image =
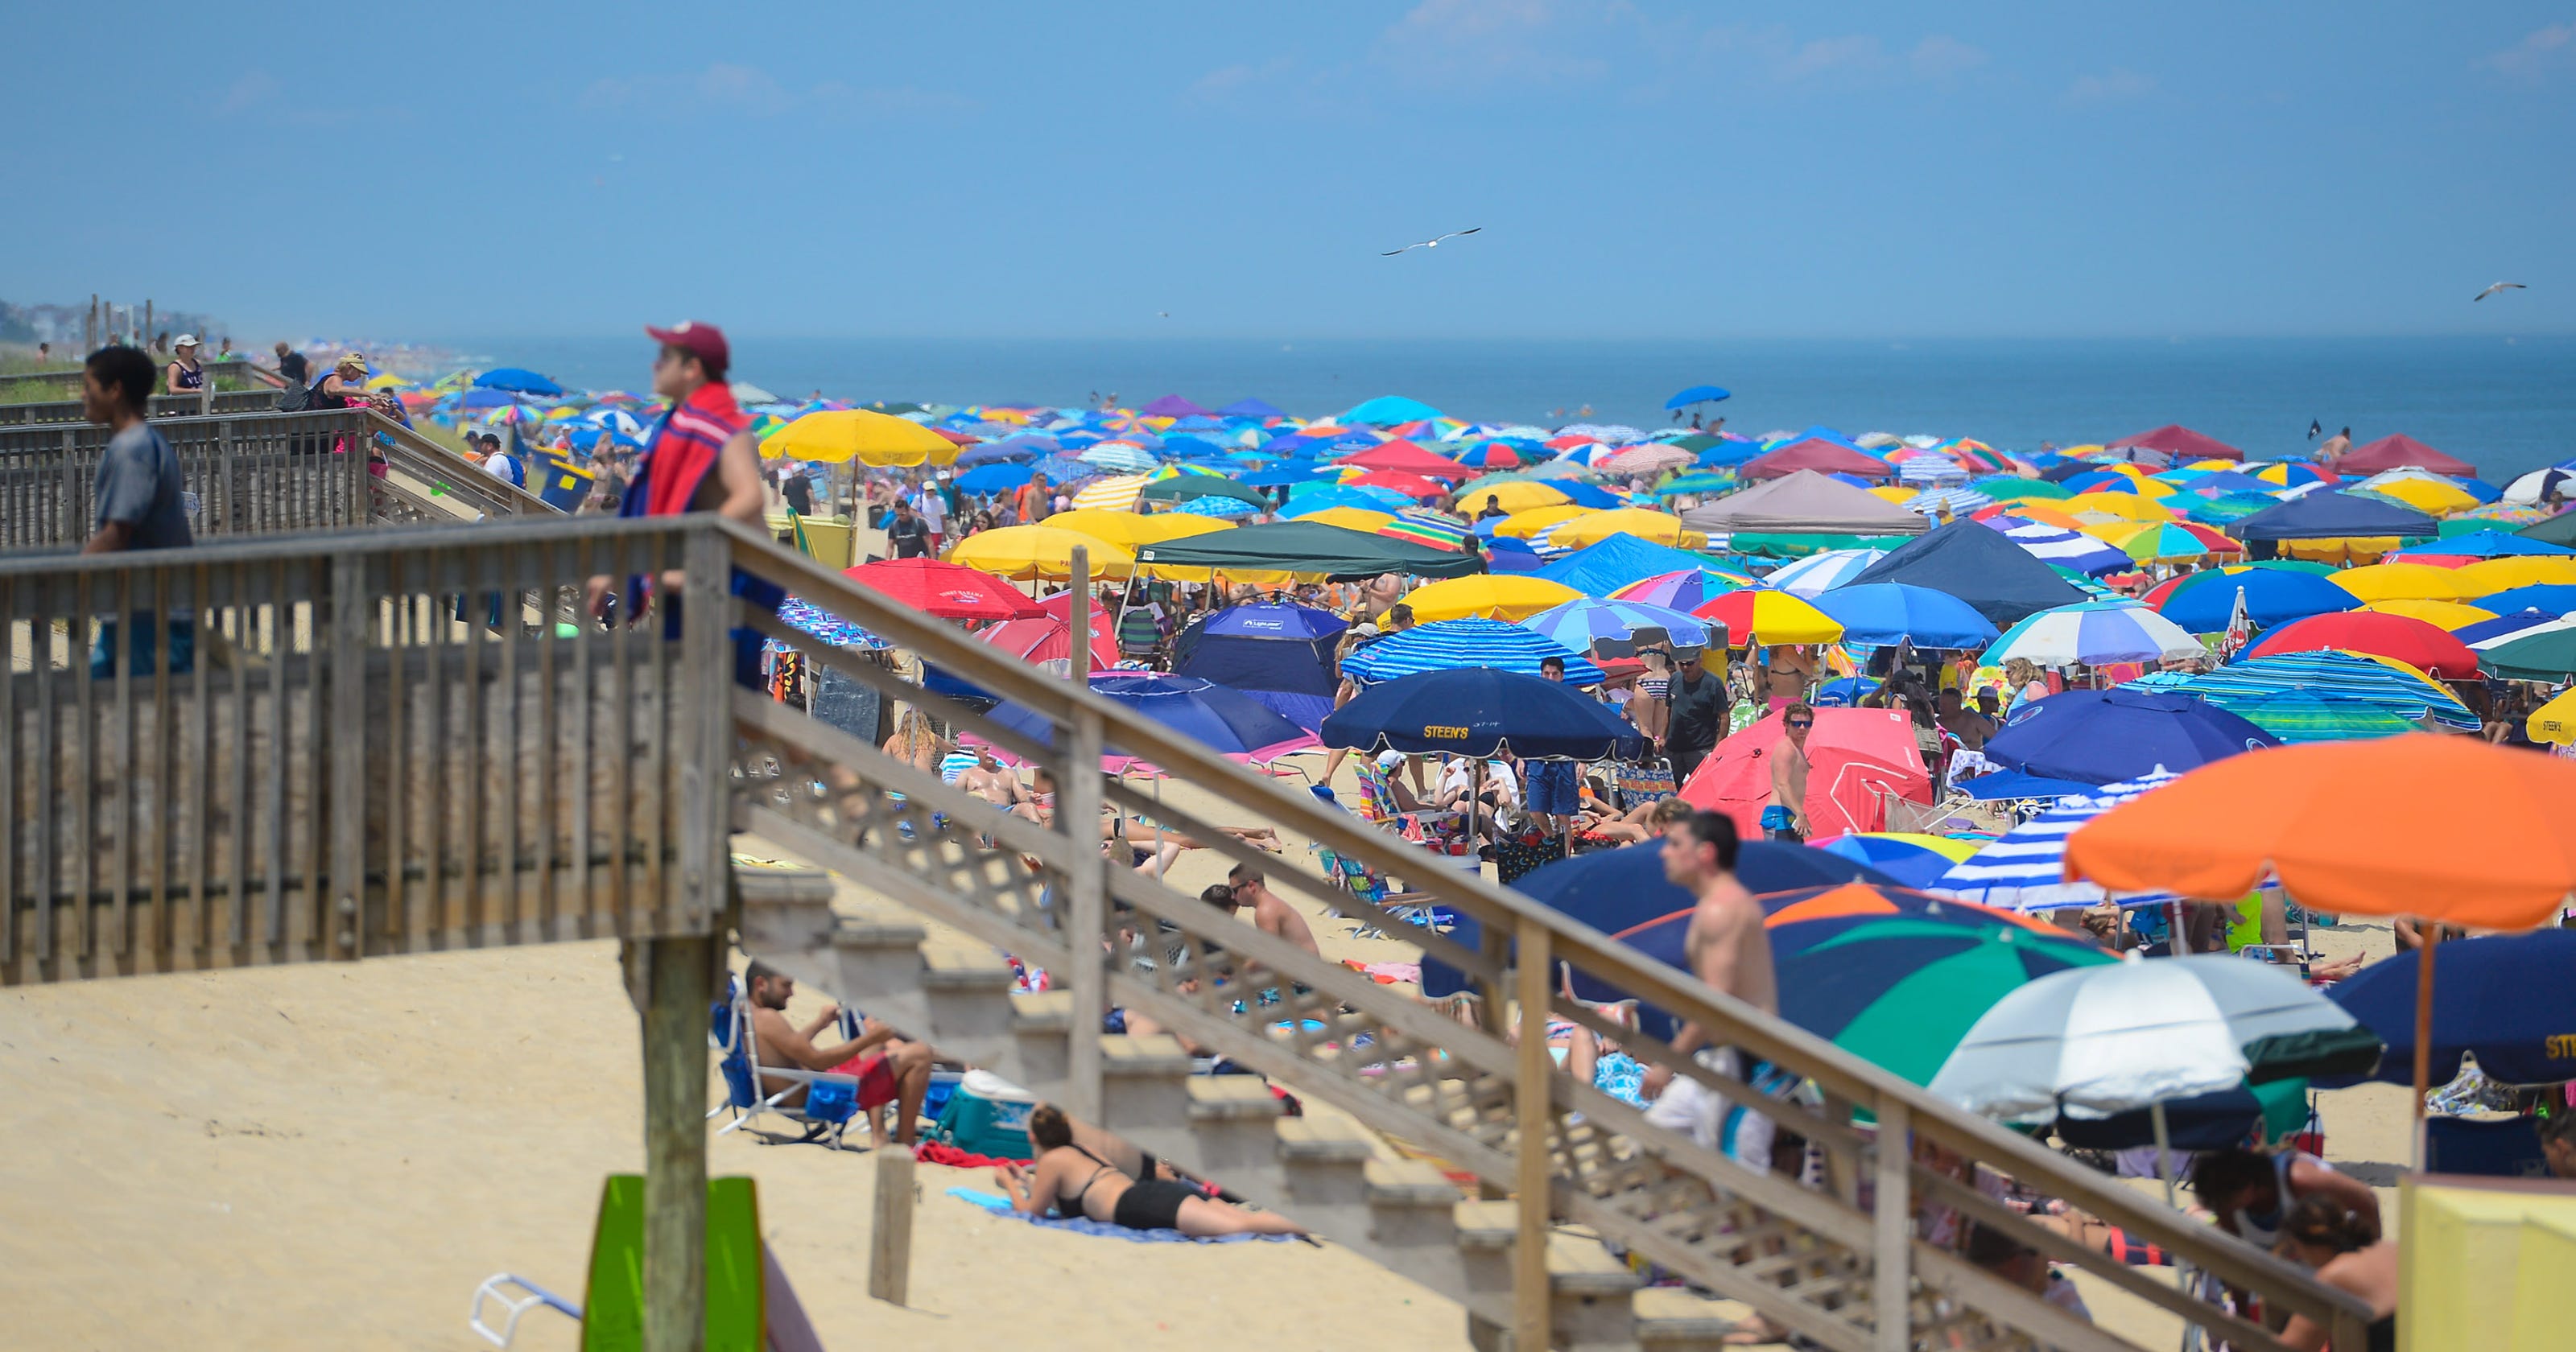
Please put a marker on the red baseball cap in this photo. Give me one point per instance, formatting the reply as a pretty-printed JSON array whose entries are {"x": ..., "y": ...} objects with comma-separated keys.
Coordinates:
[{"x": 706, "y": 341}]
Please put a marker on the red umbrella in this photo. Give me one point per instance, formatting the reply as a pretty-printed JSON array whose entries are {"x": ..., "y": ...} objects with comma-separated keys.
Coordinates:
[
  {"x": 1409, "y": 484},
  {"x": 1049, "y": 639},
  {"x": 1855, "y": 757},
  {"x": 950, "y": 591},
  {"x": 2426, "y": 647},
  {"x": 2216, "y": 541},
  {"x": 1406, "y": 457},
  {"x": 952, "y": 434}
]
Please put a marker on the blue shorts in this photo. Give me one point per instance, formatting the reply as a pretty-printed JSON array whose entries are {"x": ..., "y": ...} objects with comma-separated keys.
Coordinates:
[{"x": 1555, "y": 787}]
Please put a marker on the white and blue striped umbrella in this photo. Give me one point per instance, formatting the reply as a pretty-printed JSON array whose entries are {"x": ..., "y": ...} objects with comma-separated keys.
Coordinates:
[
  {"x": 1115, "y": 455},
  {"x": 1615, "y": 628},
  {"x": 2068, "y": 548},
  {"x": 1450, "y": 644},
  {"x": 2093, "y": 633},
  {"x": 1955, "y": 501},
  {"x": 1930, "y": 469},
  {"x": 1816, "y": 574},
  {"x": 2025, "y": 870}
]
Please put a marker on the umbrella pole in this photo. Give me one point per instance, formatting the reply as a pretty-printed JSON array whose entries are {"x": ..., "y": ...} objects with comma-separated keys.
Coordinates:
[
  {"x": 2164, "y": 1172},
  {"x": 2432, "y": 935}
]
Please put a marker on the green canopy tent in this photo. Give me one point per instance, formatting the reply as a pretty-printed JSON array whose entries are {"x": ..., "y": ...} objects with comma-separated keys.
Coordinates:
[
  {"x": 2557, "y": 530},
  {"x": 1309, "y": 547}
]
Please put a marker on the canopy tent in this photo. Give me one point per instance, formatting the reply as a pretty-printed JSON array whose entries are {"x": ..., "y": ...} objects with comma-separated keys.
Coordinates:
[
  {"x": 1310, "y": 547},
  {"x": 1172, "y": 406},
  {"x": 2177, "y": 441},
  {"x": 2557, "y": 530},
  {"x": 1616, "y": 560},
  {"x": 1805, "y": 502},
  {"x": 2329, "y": 515},
  {"x": 1992, "y": 574},
  {"x": 2399, "y": 450},
  {"x": 1818, "y": 454},
  {"x": 1407, "y": 458},
  {"x": 1278, "y": 654}
]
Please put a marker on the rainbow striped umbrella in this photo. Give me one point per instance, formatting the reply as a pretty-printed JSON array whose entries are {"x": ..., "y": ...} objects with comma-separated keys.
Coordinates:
[
  {"x": 1685, "y": 589},
  {"x": 1431, "y": 528}
]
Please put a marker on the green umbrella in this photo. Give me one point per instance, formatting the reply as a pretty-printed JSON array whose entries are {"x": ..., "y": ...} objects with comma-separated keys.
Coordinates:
[
  {"x": 1507, "y": 476},
  {"x": 1184, "y": 487},
  {"x": 2296, "y": 716},
  {"x": 2549, "y": 655},
  {"x": 1901, "y": 991}
]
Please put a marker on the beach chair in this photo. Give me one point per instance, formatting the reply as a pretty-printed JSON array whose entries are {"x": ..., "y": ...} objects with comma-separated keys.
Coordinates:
[
  {"x": 1371, "y": 886},
  {"x": 830, "y": 1100},
  {"x": 1379, "y": 806}
]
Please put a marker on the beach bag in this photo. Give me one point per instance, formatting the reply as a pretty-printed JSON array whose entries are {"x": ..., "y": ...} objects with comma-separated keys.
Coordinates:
[
  {"x": 295, "y": 398},
  {"x": 1649, "y": 782}
]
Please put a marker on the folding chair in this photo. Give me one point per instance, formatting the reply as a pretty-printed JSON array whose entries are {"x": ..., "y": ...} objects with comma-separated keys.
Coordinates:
[{"x": 830, "y": 1100}]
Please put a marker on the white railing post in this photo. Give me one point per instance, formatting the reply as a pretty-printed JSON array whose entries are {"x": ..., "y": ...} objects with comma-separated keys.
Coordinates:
[
  {"x": 1086, "y": 891},
  {"x": 1892, "y": 1288},
  {"x": 1530, "y": 1099}
]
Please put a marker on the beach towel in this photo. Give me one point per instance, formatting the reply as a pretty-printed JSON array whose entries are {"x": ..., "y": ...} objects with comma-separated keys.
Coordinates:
[{"x": 1001, "y": 1206}]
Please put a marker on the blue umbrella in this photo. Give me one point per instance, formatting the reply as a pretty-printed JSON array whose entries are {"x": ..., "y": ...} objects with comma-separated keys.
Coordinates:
[
  {"x": 1908, "y": 863},
  {"x": 1321, "y": 496},
  {"x": 1280, "y": 475},
  {"x": 992, "y": 478},
  {"x": 2505, "y": 997},
  {"x": 1252, "y": 408},
  {"x": 2553, "y": 598},
  {"x": 1466, "y": 643},
  {"x": 2503, "y": 626},
  {"x": 2016, "y": 784},
  {"x": 2098, "y": 736},
  {"x": 519, "y": 379},
  {"x": 2488, "y": 544},
  {"x": 2273, "y": 596},
  {"x": 1696, "y": 394},
  {"x": 1847, "y": 691},
  {"x": 2333, "y": 515},
  {"x": 1889, "y": 612},
  {"x": 1477, "y": 711},
  {"x": 1616, "y": 628},
  {"x": 1202, "y": 710},
  {"x": 1503, "y": 554},
  {"x": 486, "y": 399},
  {"x": 1274, "y": 620}
]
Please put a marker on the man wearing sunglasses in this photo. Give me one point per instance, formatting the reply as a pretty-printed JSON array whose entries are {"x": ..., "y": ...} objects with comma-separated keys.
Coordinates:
[{"x": 1785, "y": 817}]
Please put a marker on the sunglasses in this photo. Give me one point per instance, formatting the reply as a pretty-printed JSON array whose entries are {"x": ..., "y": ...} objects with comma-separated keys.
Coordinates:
[{"x": 1802, "y": 723}]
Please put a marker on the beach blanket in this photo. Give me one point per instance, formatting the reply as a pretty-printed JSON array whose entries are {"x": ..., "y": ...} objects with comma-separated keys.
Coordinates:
[
  {"x": 1001, "y": 1206},
  {"x": 940, "y": 1152}
]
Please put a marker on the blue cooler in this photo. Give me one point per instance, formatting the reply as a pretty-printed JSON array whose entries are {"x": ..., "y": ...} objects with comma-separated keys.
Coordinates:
[
  {"x": 988, "y": 1115},
  {"x": 562, "y": 485}
]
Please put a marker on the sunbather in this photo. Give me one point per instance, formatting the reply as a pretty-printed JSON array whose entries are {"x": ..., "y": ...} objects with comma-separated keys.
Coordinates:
[
  {"x": 1645, "y": 821},
  {"x": 888, "y": 1069},
  {"x": 1075, "y": 1182}
]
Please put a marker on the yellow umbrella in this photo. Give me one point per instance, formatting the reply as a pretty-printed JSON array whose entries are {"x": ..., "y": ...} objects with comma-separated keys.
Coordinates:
[
  {"x": 837, "y": 436},
  {"x": 1494, "y": 596},
  {"x": 1764, "y": 616},
  {"x": 2495, "y": 575},
  {"x": 2401, "y": 582},
  {"x": 2554, "y": 721},
  {"x": 1117, "y": 493},
  {"x": 2428, "y": 495},
  {"x": 1523, "y": 525},
  {"x": 2441, "y": 614},
  {"x": 1661, "y": 528},
  {"x": 1352, "y": 518},
  {"x": 2344, "y": 549},
  {"x": 1517, "y": 495},
  {"x": 388, "y": 381},
  {"x": 1128, "y": 530},
  {"x": 1023, "y": 552},
  {"x": 2127, "y": 506},
  {"x": 1892, "y": 493}
]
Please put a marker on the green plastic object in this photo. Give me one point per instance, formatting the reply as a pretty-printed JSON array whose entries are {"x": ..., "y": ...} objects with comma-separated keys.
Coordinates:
[{"x": 613, "y": 1304}]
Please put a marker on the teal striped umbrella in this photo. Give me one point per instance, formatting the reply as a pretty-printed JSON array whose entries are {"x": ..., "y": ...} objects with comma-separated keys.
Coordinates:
[
  {"x": 2297, "y": 716},
  {"x": 2334, "y": 677},
  {"x": 1450, "y": 644}
]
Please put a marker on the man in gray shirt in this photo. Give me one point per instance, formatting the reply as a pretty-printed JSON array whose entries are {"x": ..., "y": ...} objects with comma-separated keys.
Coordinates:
[{"x": 138, "y": 478}]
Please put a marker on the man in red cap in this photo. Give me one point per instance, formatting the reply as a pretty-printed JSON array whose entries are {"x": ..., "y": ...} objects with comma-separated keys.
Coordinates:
[{"x": 700, "y": 457}]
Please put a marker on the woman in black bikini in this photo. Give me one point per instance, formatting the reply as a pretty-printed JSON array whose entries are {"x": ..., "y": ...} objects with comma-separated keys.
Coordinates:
[
  {"x": 1076, "y": 1182},
  {"x": 2347, "y": 1253}
]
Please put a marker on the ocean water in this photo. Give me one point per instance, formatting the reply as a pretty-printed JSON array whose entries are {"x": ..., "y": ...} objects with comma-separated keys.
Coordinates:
[{"x": 2504, "y": 404}]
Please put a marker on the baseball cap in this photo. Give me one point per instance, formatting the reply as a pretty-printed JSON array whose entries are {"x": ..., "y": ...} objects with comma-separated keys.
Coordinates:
[
  {"x": 705, "y": 341},
  {"x": 184, "y": 340}
]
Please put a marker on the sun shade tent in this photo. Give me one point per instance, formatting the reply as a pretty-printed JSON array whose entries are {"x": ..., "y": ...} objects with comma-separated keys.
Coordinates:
[
  {"x": 1997, "y": 578},
  {"x": 2178, "y": 441},
  {"x": 1279, "y": 655},
  {"x": 2327, "y": 515},
  {"x": 1308, "y": 548},
  {"x": 2399, "y": 451},
  {"x": 1818, "y": 454},
  {"x": 1615, "y": 561},
  {"x": 1805, "y": 502}
]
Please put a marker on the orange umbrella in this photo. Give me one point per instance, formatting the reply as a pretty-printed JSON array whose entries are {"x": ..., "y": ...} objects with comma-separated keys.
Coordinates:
[{"x": 1861, "y": 899}]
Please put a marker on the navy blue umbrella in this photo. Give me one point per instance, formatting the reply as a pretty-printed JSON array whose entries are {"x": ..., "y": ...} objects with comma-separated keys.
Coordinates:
[
  {"x": 2205, "y": 601},
  {"x": 2105, "y": 736},
  {"x": 1252, "y": 408},
  {"x": 2510, "y": 998},
  {"x": 520, "y": 379},
  {"x": 2331, "y": 515},
  {"x": 1696, "y": 394},
  {"x": 1201, "y": 709},
  {"x": 1620, "y": 890},
  {"x": 1475, "y": 711},
  {"x": 1882, "y": 613}
]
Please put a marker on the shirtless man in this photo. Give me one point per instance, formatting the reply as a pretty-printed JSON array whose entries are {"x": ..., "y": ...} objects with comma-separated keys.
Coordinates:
[
  {"x": 1728, "y": 948},
  {"x": 993, "y": 781},
  {"x": 888, "y": 1071},
  {"x": 1785, "y": 816},
  {"x": 1970, "y": 726},
  {"x": 1270, "y": 914}
]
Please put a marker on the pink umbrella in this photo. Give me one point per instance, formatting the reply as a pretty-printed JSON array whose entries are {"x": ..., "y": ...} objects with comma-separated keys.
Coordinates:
[{"x": 1856, "y": 759}]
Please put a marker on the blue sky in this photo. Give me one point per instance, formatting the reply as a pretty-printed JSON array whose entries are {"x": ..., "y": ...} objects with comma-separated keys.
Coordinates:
[{"x": 1639, "y": 167}]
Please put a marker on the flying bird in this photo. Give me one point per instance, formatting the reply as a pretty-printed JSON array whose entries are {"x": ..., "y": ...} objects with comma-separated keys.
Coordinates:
[
  {"x": 1432, "y": 243},
  {"x": 2500, "y": 286}
]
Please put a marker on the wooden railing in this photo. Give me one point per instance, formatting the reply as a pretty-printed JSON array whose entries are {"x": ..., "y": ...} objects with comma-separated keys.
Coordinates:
[
  {"x": 339, "y": 745},
  {"x": 1839, "y": 1264},
  {"x": 254, "y": 474},
  {"x": 421, "y": 473},
  {"x": 200, "y": 404}
]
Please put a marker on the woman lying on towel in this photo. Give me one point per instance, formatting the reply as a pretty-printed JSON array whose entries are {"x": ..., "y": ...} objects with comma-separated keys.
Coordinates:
[{"x": 1076, "y": 1182}]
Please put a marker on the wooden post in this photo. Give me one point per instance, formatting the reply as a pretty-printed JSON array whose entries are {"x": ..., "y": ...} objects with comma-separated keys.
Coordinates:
[
  {"x": 1892, "y": 1231},
  {"x": 2430, "y": 931},
  {"x": 678, "y": 977},
  {"x": 1532, "y": 1105},
  {"x": 1086, "y": 891},
  {"x": 890, "y": 1239}
]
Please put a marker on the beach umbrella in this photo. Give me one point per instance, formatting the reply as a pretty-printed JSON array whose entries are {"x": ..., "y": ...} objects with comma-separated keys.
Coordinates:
[
  {"x": 1449, "y": 644},
  {"x": 1696, "y": 394},
  {"x": 2333, "y": 676},
  {"x": 1479, "y": 711},
  {"x": 2483, "y": 544},
  {"x": 1033, "y": 552},
  {"x": 2487, "y": 633},
  {"x": 2505, "y": 998},
  {"x": 2417, "y": 644},
  {"x": 2544, "y": 654},
  {"x": 1049, "y": 638},
  {"x": 1527, "y": 524},
  {"x": 1117, "y": 493},
  {"x": 2401, "y": 581},
  {"x": 992, "y": 478},
  {"x": 1859, "y": 759},
  {"x": 2490, "y": 576},
  {"x": 2433, "y": 496},
  {"x": 1911, "y": 858},
  {"x": 1487, "y": 595},
  {"x": 2123, "y": 506},
  {"x": 2446, "y": 615},
  {"x": 1887, "y": 613},
  {"x": 2289, "y": 472},
  {"x": 1661, "y": 528},
  {"x": 1404, "y": 483},
  {"x": 1617, "y": 628},
  {"x": 2555, "y": 721},
  {"x": 1518, "y": 495},
  {"x": 1764, "y": 616},
  {"x": 1685, "y": 589},
  {"x": 1902, "y": 991},
  {"x": 1352, "y": 518},
  {"x": 838, "y": 436},
  {"x": 1223, "y": 720},
  {"x": 2557, "y": 598},
  {"x": 1127, "y": 530},
  {"x": 2296, "y": 716},
  {"x": 2093, "y": 633},
  {"x": 519, "y": 380},
  {"x": 1823, "y": 573},
  {"x": 1431, "y": 528},
  {"x": 2025, "y": 868},
  {"x": 1193, "y": 487},
  {"x": 2094, "y": 1040},
  {"x": 2103, "y": 736},
  {"x": 1121, "y": 457},
  {"x": 946, "y": 590},
  {"x": 2206, "y": 601}
]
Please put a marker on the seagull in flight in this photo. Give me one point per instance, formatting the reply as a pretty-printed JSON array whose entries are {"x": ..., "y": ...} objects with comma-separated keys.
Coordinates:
[
  {"x": 2500, "y": 286},
  {"x": 1432, "y": 243}
]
